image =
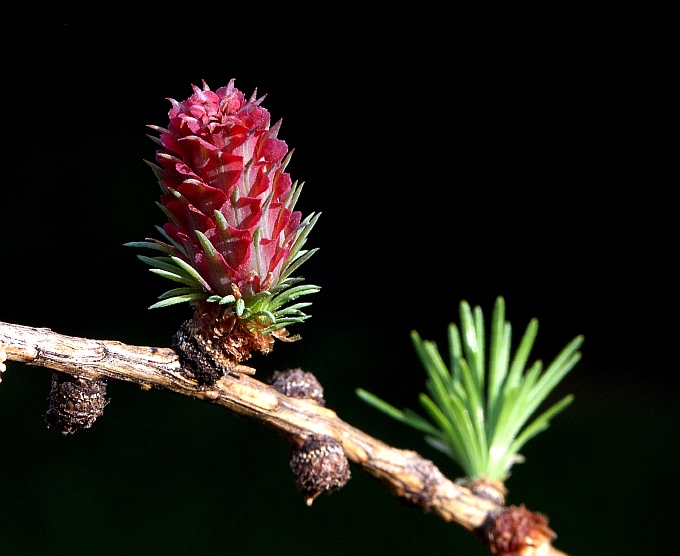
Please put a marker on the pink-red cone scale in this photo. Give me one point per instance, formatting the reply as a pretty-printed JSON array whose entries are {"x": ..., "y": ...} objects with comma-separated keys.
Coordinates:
[
  {"x": 233, "y": 235},
  {"x": 220, "y": 157}
]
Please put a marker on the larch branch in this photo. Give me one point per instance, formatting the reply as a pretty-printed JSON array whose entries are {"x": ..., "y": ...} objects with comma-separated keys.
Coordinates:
[{"x": 405, "y": 473}]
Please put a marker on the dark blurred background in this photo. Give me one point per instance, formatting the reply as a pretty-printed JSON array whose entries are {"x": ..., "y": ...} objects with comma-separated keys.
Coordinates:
[{"x": 458, "y": 157}]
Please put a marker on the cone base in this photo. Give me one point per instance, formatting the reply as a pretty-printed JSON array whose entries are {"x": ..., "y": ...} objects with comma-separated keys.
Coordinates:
[{"x": 215, "y": 341}]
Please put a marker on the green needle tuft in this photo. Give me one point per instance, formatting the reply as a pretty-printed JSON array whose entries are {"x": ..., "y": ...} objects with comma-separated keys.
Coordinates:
[{"x": 480, "y": 410}]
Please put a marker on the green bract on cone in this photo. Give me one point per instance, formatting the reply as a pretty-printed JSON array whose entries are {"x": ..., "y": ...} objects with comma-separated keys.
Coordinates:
[{"x": 233, "y": 237}]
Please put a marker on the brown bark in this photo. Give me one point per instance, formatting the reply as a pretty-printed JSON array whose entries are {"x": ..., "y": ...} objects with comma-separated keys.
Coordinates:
[{"x": 405, "y": 473}]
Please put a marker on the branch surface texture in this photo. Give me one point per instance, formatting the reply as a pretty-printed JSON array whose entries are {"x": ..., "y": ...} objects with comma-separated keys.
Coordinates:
[{"x": 503, "y": 530}]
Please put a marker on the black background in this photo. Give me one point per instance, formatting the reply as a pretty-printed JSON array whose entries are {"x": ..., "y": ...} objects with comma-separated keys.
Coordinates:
[{"x": 453, "y": 157}]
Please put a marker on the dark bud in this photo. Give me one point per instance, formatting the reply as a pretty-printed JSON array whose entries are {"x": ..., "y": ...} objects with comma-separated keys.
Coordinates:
[
  {"x": 516, "y": 530},
  {"x": 195, "y": 356},
  {"x": 319, "y": 465},
  {"x": 215, "y": 341},
  {"x": 296, "y": 383},
  {"x": 75, "y": 403}
]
